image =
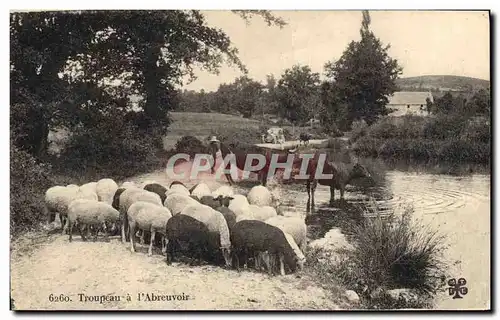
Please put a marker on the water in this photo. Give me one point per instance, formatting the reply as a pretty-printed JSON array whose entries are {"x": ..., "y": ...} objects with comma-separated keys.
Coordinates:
[{"x": 457, "y": 206}]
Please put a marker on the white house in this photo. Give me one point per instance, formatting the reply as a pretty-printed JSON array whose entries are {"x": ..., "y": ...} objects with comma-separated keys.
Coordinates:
[{"x": 409, "y": 102}]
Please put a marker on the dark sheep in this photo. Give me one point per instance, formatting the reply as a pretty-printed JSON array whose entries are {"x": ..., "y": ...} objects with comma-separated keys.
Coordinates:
[
  {"x": 183, "y": 228},
  {"x": 249, "y": 237},
  {"x": 177, "y": 182},
  {"x": 219, "y": 201},
  {"x": 115, "y": 227},
  {"x": 116, "y": 198},
  {"x": 228, "y": 215},
  {"x": 158, "y": 189}
]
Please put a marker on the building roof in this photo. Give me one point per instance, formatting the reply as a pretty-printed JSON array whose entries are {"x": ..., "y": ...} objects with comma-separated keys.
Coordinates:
[{"x": 410, "y": 97}]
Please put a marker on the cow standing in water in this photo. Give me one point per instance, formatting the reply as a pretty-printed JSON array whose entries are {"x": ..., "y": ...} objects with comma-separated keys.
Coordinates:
[
  {"x": 241, "y": 156},
  {"x": 341, "y": 175}
]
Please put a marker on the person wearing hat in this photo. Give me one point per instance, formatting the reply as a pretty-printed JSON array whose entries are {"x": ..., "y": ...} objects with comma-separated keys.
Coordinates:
[{"x": 215, "y": 147}]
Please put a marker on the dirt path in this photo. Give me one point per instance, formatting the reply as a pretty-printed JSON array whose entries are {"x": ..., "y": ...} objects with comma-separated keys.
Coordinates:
[
  {"x": 81, "y": 269},
  {"x": 84, "y": 269}
]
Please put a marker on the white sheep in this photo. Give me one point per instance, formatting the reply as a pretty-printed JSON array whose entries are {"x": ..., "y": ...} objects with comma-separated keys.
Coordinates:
[
  {"x": 105, "y": 189},
  {"x": 89, "y": 187},
  {"x": 260, "y": 195},
  {"x": 58, "y": 198},
  {"x": 127, "y": 198},
  {"x": 262, "y": 213},
  {"x": 177, "y": 188},
  {"x": 145, "y": 183},
  {"x": 225, "y": 191},
  {"x": 296, "y": 227},
  {"x": 149, "y": 217},
  {"x": 200, "y": 190},
  {"x": 177, "y": 202},
  {"x": 90, "y": 213},
  {"x": 128, "y": 184}
]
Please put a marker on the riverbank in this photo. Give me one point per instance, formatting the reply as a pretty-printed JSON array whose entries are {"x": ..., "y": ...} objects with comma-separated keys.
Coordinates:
[{"x": 442, "y": 138}]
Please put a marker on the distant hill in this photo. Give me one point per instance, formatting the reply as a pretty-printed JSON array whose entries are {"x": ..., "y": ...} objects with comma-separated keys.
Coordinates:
[{"x": 442, "y": 83}]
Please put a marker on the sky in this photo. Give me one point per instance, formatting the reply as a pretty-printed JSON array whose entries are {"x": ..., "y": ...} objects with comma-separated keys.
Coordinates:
[{"x": 423, "y": 42}]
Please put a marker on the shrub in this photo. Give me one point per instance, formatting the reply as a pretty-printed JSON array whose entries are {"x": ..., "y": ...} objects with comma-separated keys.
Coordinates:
[
  {"x": 444, "y": 126},
  {"x": 28, "y": 183},
  {"x": 190, "y": 145},
  {"x": 359, "y": 129},
  {"x": 105, "y": 150},
  {"x": 395, "y": 252},
  {"x": 383, "y": 129}
]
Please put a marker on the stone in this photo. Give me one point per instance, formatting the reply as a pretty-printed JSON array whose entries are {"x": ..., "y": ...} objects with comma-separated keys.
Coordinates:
[
  {"x": 409, "y": 296},
  {"x": 351, "y": 296}
]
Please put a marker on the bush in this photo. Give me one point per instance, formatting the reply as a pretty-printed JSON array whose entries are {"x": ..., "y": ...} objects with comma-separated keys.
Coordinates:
[
  {"x": 109, "y": 151},
  {"x": 444, "y": 127},
  {"x": 28, "y": 183},
  {"x": 359, "y": 129},
  {"x": 449, "y": 138},
  {"x": 190, "y": 145},
  {"x": 394, "y": 252}
]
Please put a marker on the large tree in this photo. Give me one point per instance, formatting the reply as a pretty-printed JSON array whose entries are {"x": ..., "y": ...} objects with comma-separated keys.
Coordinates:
[
  {"x": 150, "y": 52},
  {"x": 364, "y": 76},
  {"x": 297, "y": 94}
]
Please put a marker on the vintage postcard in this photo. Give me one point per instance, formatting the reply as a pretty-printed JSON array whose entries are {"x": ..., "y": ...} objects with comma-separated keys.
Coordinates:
[{"x": 250, "y": 160}]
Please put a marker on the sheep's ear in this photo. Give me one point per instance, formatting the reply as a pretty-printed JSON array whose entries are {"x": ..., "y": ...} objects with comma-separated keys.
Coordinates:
[{"x": 229, "y": 198}]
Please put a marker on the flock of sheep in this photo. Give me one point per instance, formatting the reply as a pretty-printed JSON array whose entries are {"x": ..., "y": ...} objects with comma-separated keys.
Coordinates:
[{"x": 218, "y": 226}]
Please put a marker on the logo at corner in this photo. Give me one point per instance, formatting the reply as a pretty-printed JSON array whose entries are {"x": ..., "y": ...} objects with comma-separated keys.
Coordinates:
[{"x": 457, "y": 288}]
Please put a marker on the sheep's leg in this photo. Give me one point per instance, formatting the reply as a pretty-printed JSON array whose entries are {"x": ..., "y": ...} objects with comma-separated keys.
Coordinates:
[
  {"x": 123, "y": 230},
  {"x": 82, "y": 228},
  {"x": 257, "y": 261},
  {"x": 105, "y": 231},
  {"x": 282, "y": 263},
  {"x": 153, "y": 233},
  {"x": 271, "y": 261},
  {"x": 342, "y": 189},
  {"x": 142, "y": 236},
  {"x": 164, "y": 243},
  {"x": 170, "y": 251},
  {"x": 63, "y": 223},
  {"x": 70, "y": 228},
  {"x": 236, "y": 260},
  {"x": 245, "y": 258},
  {"x": 332, "y": 195},
  {"x": 132, "y": 238}
]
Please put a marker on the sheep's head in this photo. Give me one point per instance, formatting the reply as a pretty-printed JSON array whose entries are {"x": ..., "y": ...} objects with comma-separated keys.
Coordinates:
[{"x": 223, "y": 200}]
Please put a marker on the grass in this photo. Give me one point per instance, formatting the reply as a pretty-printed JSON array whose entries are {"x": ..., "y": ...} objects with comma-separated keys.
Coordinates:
[
  {"x": 202, "y": 125},
  {"x": 390, "y": 251}
]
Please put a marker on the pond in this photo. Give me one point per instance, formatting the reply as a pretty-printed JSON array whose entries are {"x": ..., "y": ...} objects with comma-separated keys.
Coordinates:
[{"x": 458, "y": 206}]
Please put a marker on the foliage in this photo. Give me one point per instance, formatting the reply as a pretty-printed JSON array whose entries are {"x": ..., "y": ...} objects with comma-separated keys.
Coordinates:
[
  {"x": 364, "y": 76},
  {"x": 452, "y": 138},
  {"x": 148, "y": 52},
  {"x": 394, "y": 251},
  {"x": 191, "y": 145},
  {"x": 115, "y": 150},
  {"x": 28, "y": 183},
  {"x": 297, "y": 94}
]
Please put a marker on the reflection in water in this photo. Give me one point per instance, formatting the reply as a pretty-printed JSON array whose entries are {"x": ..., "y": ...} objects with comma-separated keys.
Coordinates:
[{"x": 457, "y": 206}]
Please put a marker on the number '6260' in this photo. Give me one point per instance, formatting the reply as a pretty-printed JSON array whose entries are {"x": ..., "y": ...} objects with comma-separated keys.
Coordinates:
[{"x": 59, "y": 298}]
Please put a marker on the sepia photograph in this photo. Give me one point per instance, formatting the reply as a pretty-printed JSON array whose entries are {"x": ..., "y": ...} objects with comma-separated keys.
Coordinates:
[{"x": 250, "y": 160}]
